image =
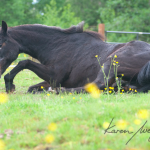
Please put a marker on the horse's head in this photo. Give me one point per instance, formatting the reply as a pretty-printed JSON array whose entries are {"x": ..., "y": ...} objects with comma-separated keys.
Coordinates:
[{"x": 9, "y": 48}]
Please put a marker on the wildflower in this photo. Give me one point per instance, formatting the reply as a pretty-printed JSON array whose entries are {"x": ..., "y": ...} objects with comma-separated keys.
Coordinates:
[
  {"x": 19, "y": 55},
  {"x": 61, "y": 96},
  {"x": 121, "y": 124},
  {"x": 73, "y": 97},
  {"x": 52, "y": 126},
  {"x": 110, "y": 91},
  {"x": 3, "y": 98},
  {"x": 2, "y": 145},
  {"x": 96, "y": 55},
  {"x": 49, "y": 138},
  {"x": 24, "y": 55},
  {"x": 116, "y": 62},
  {"x": 105, "y": 125},
  {"x": 7, "y": 69},
  {"x": 143, "y": 114},
  {"x": 115, "y": 56},
  {"x": 137, "y": 121},
  {"x": 92, "y": 89},
  {"x": 122, "y": 90},
  {"x": 122, "y": 75},
  {"x": 48, "y": 94},
  {"x": 120, "y": 93},
  {"x": 42, "y": 87},
  {"x": 105, "y": 88},
  {"x": 135, "y": 90},
  {"x": 130, "y": 128},
  {"x": 70, "y": 93},
  {"x": 101, "y": 66},
  {"x": 130, "y": 89},
  {"x": 80, "y": 97}
]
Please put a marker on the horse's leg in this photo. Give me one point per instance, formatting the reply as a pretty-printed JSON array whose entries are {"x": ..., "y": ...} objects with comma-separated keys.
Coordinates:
[
  {"x": 46, "y": 73},
  {"x": 38, "y": 87},
  {"x": 101, "y": 81}
]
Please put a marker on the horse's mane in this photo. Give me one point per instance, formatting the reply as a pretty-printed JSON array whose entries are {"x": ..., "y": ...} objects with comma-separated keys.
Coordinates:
[{"x": 73, "y": 29}]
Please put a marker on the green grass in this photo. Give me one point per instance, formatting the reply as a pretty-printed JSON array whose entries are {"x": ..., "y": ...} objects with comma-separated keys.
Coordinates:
[{"x": 79, "y": 121}]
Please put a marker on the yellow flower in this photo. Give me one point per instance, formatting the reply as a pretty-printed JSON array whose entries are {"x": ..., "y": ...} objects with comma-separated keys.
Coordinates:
[
  {"x": 19, "y": 55},
  {"x": 110, "y": 91},
  {"x": 3, "y": 98},
  {"x": 70, "y": 93},
  {"x": 122, "y": 90},
  {"x": 49, "y": 138},
  {"x": 120, "y": 93},
  {"x": 48, "y": 94},
  {"x": 52, "y": 126},
  {"x": 42, "y": 87},
  {"x": 24, "y": 55},
  {"x": 137, "y": 121},
  {"x": 101, "y": 66},
  {"x": 92, "y": 89},
  {"x": 116, "y": 62},
  {"x": 105, "y": 125},
  {"x": 2, "y": 145},
  {"x": 130, "y": 89},
  {"x": 135, "y": 90},
  {"x": 7, "y": 69},
  {"x": 80, "y": 97},
  {"x": 96, "y": 55},
  {"x": 121, "y": 124},
  {"x": 73, "y": 97},
  {"x": 115, "y": 56},
  {"x": 105, "y": 88},
  {"x": 130, "y": 128},
  {"x": 61, "y": 96},
  {"x": 143, "y": 114},
  {"x": 122, "y": 75}
]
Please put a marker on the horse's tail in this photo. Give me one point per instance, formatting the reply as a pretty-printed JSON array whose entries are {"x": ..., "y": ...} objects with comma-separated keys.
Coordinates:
[{"x": 143, "y": 78}]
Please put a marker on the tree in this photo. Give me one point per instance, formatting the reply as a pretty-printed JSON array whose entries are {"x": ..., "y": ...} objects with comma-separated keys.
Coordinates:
[{"x": 62, "y": 17}]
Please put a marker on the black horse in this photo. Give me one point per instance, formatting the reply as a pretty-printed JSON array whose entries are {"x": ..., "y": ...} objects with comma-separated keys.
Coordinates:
[{"x": 67, "y": 56}]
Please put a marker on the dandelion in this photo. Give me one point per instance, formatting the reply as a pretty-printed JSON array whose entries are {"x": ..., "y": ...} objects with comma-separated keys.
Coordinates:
[
  {"x": 19, "y": 55},
  {"x": 105, "y": 88},
  {"x": 122, "y": 75},
  {"x": 130, "y": 128},
  {"x": 80, "y": 97},
  {"x": 120, "y": 93},
  {"x": 116, "y": 62},
  {"x": 92, "y": 89},
  {"x": 122, "y": 90},
  {"x": 143, "y": 114},
  {"x": 61, "y": 96},
  {"x": 121, "y": 124},
  {"x": 2, "y": 145},
  {"x": 73, "y": 97},
  {"x": 24, "y": 55},
  {"x": 135, "y": 90},
  {"x": 49, "y": 138},
  {"x": 137, "y": 121},
  {"x": 110, "y": 91},
  {"x": 52, "y": 126},
  {"x": 70, "y": 93},
  {"x": 115, "y": 56},
  {"x": 7, "y": 69},
  {"x": 42, "y": 87},
  {"x": 3, "y": 98},
  {"x": 48, "y": 94},
  {"x": 130, "y": 89},
  {"x": 105, "y": 125},
  {"x": 101, "y": 66},
  {"x": 96, "y": 55}
]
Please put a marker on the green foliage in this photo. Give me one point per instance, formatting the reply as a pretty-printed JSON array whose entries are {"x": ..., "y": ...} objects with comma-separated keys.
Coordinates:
[
  {"x": 62, "y": 17},
  {"x": 16, "y": 12}
]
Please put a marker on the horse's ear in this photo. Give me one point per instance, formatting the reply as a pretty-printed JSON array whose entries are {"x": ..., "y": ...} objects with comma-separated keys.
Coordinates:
[{"x": 4, "y": 27}]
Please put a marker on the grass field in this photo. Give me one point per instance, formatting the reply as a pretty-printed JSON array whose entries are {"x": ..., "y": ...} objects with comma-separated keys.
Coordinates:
[{"x": 79, "y": 118}]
